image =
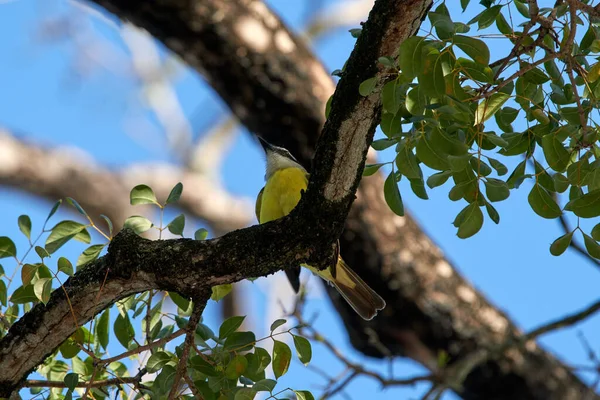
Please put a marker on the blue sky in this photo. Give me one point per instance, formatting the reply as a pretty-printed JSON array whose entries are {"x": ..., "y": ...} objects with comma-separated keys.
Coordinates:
[{"x": 43, "y": 100}]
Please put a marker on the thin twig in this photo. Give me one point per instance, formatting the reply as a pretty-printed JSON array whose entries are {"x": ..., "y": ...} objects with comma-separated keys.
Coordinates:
[
  {"x": 188, "y": 343},
  {"x": 139, "y": 349}
]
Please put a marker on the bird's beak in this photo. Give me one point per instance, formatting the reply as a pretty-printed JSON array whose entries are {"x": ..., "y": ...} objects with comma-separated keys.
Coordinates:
[{"x": 266, "y": 145}]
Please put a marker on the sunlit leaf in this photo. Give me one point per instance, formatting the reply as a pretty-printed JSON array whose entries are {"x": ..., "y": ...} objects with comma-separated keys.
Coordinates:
[{"x": 142, "y": 194}]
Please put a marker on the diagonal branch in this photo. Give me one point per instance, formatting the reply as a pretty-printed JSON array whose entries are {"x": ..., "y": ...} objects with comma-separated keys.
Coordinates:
[
  {"x": 278, "y": 89},
  {"x": 58, "y": 173},
  {"x": 189, "y": 267}
]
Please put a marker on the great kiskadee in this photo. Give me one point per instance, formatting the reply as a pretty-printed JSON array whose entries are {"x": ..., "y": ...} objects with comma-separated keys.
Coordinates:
[{"x": 285, "y": 179}]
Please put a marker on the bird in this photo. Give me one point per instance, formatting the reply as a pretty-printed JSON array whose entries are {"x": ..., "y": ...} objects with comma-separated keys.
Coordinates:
[{"x": 285, "y": 180}]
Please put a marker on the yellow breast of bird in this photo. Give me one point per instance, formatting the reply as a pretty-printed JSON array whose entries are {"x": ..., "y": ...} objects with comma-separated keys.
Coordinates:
[{"x": 282, "y": 193}]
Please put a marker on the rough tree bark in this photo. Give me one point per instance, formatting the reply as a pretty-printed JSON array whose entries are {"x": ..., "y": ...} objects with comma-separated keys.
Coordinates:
[
  {"x": 278, "y": 89},
  {"x": 308, "y": 235}
]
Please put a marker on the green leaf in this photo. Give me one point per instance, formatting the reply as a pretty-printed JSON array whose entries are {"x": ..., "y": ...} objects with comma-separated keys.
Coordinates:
[
  {"x": 498, "y": 166},
  {"x": 25, "y": 225},
  {"x": 496, "y": 189},
  {"x": 596, "y": 232},
  {"x": 475, "y": 71},
  {"x": 142, "y": 194},
  {"x": 382, "y": 144},
  {"x": 90, "y": 254},
  {"x": 391, "y": 124},
  {"x": 494, "y": 216},
  {"x": 560, "y": 245},
  {"x": 265, "y": 385},
  {"x": 244, "y": 394},
  {"x": 102, "y": 328},
  {"x": 303, "y": 349},
  {"x": 304, "y": 395},
  {"x": 488, "y": 17},
  {"x": 474, "y": 48},
  {"x": 71, "y": 380},
  {"x": 28, "y": 271},
  {"x": 535, "y": 75},
  {"x": 63, "y": 232},
  {"x": 200, "y": 234},
  {"x": 470, "y": 221},
  {"x": 542, "y": 203},
  {"x": 514, "y": 180},
  {"x": 418, "y": 188},
  {"x": 76, "y": 205},
  {"x": 591, "y": 246},
  {"x": 138, "y": 224},
  {"x": 175, "y": 193},
  {"x": 586, "y": 206},
  {"x": 23, "y": 294},
  {"x": 230, "y": 325},
  {"x": 438, "y": 179},
  {"x": 431, "y": 76},
  {"x": 444, "y": 28},
  {"x": 371, "y": 169},
  {"x": 367, "y": 87},
  {"x": 123, "y": 330},
  {"x": 236, "y": 367},
  {"x": 177, "y": 225},
  {"x": 3, "y": 293},
  {"x": 391, "y": 97},
  {"x": 65, "y": 266},
  {"x": 277, "y": 323},
  {"x": 464, "y": 4},
  {"x": 561, "y": 183},
  {"x": 459, "y": 163},
  {"x": 386, "y": 61},
  {"x": 42, "y": 289},
  {"x": 239, "y": 341},
  {"x": 53, "y": 209},
  {"x": 489, "y": 107},
  {"x": 41, "y": 252},
  {"x": 180, "y": 301},
  {"x": 410, "y": 59},
  {"x": 556, "y": 155},
  {"x": 157, "y": 360},
  {"x": 7, "y": 247},
  {"x": 407, "y": 163},
  {"x": 571, "y": 115},
  {"x": 199, "y": 364},
  {"x": 282, "y": 356},
  {"x": 108, "y": 223},
  {"x": 392, "y": 195},
  {"x": 220, "y": 291}
]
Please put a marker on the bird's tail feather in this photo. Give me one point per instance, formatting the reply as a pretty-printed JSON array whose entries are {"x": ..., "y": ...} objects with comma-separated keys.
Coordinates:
[{"x": 364, "y": 300}]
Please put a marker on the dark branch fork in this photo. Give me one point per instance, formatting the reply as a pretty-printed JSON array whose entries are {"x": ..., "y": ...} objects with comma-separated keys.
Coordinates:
[{"x": 190, "y": 267}]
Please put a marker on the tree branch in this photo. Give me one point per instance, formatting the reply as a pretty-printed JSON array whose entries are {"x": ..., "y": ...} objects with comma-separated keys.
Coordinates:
[
  {"x": 190, "y": 267},
  {"x": 278, "y": 89},
  {"x": 58, "y": 173}
]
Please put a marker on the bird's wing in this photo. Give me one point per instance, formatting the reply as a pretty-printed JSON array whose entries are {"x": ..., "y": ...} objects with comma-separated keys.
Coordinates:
[{"x": 258, "y": 203}]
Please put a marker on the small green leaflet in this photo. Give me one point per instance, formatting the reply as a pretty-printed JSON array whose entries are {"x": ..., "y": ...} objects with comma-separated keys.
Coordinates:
[
  {"x": 282, "y": 356},
  {"x": 142, "y": 194},
  {"x": 177, "y": 226},
  {"x": 157, "y": 360},
  {"x": 367, "y": 87},
  {"x": 474, "y": 48},
  {"x": 25, "y": 225},
  {"x": 542, "y": 203},
  {"x": 591, "y": 246},
  {"x": 586, "y": 206},
  {"x": 230, "y": 325},
  {"x": 303, "y": 349},
  {"x": 175, "y": 193},
  {"x": 561, "y": 244},
  {"x": 277, "y": 323},
  {"x": 304, "y": 395},
  {"x": 200, "y": 234},
  {"x": 7, "y": 247},
  {"x": 138, "y": 224},
  {"x": 392, "y": 195},
  {"x": 42, "y": 289},
  {"x": 469, "y": 221},
  {"x": 488, "y": 107},
  {"x": 220, "y": 291}
]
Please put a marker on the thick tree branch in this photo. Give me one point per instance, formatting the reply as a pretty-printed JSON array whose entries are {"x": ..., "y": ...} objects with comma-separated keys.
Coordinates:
[
  {"x": 191, "y": 267},
  {"x": 278, "y": 89},
  {"x": 58, "y": 173}
]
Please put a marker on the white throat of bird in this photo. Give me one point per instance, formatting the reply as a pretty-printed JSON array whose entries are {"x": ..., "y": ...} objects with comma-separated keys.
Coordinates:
[{"x": 277, "y": 161}]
